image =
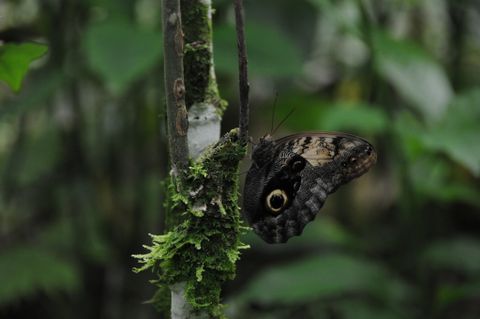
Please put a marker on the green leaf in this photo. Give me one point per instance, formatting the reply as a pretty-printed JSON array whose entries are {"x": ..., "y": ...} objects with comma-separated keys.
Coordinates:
[
  {"x": 356, "y": 309},
  {"x": 453, "y": 135},
  {"x": 308, "y": 109},
  {"x": 41, "y": 155},
  {"x": 270, "y": 52},
  {"x": 457, "y": 134},
  {"x": 15, "y": 60},
  {"x": 432, "y": 178},
  {"x": 322, "y": 277},
  {"x": 313, "y": 113},
  {"x": 451, "y": 293},
  {"x": 409, "y": 131},
  {"x": 415, "y": 75},
  {"x": 28, "y": 270},
  {"x": 356, "y": 117},
  {"x": 121, "y": 52},
  {"x": 47, "y": 82},
  {"x": 326, "y": 231},
  {"x": 458, "y": 254}
]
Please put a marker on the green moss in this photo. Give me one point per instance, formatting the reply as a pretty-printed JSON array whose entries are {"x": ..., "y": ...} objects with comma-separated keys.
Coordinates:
[
  {"x": 161, "y": 299},
  {"x": 195, "y": 20},
  {"x": 200, "y": 87},
  {"x": 203, "y": 249}
]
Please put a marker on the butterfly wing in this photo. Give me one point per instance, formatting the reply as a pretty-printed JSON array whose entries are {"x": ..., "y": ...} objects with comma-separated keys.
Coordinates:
[
  {"x": 320, "y": 148},
  {"x": 290, "y": 179}
]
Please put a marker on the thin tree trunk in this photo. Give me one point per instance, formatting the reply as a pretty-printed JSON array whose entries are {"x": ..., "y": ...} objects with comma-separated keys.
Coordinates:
[
  {"x": 204, "y": 106},
  {"x": 199, "y": 252},
  {"x": 175, "y": 88},
  {"x": 204, "y": 103}
]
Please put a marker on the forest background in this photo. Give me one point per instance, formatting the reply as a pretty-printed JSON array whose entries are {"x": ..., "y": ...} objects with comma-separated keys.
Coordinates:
[{"x": 83, "y": 156}]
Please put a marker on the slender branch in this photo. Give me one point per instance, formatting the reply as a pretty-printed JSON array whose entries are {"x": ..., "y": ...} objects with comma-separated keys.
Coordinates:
[
  {"x": 244, "y": 87},
  {"x": 177, "y": 116},
  {"x": 208, "y": 194},
  {"x": 204, "y": 103}
]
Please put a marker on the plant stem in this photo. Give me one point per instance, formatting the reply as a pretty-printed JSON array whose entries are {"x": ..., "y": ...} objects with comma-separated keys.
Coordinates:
[
  {"x": 202, "y": 97},
  {"x": 177, "y": 115},
  {"x": 199, "y": 252},
  {"x": 244, "y": 87}
]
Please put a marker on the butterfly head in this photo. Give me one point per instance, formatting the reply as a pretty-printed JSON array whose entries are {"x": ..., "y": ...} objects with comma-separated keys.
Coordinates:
[
  {"x": 263, "y": 151},
  {"x": 357, "y": 160}
]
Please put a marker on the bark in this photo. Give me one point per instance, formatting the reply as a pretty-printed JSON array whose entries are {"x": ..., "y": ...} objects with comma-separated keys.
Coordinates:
[
  {"x": 202, "y": 98},
  {"x": 244, "y": 87},
  {"x": 177, "y": 116},
  {"x": 200, "y": 251},
  {"x": 204, "y": 104}
]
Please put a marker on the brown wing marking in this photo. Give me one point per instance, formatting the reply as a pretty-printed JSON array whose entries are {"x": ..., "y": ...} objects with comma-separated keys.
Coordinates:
[{"x": 319, "y": 148}]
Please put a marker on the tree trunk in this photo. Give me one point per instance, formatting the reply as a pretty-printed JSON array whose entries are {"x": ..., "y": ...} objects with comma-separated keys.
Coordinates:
[{"x": 199, "y": 252}]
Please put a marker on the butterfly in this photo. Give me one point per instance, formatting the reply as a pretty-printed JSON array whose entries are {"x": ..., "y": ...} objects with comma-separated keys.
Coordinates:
[{"x": 290, "y": 179}]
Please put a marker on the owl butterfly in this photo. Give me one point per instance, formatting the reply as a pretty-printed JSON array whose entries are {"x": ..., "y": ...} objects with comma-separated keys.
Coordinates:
[{"x": 290, "y": 179}]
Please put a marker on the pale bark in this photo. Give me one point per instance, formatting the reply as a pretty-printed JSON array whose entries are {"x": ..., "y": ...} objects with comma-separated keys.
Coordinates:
[{"x": 203, "y": 118}]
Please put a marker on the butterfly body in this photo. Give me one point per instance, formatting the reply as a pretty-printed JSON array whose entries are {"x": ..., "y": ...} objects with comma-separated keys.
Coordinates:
[{"x": 290, "y": 179}]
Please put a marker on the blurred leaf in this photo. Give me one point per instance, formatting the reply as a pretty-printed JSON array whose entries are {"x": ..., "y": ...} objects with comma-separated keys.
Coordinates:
[
  {"x": 322, "y": 4},
  {"x": 454, "y": 134},
  {"x": 15, "y": 60},
  {"x": 432, "y": 178},
  {"x": 121, "y": 52},
  {"x": 321, "y": 277},
  {"x": 460, "y": 254},
  {"x": 326, "y": 231},
  {"x": 28, "y": 270},
  {"x": 270, "y": 52},
  {"x": 358, "y": 117},
  {"x": 409, "y": 131},
  {"x": 457, "y": 134},
  {"x": 450, "y": 293},
  {"x": 355, "y": 309},
  {"x": 344, "y": 15},
  {"x": 94, "y": 246},
  {"x": 415, "y": 75},
  {"x": 313, "y": 113},
  {"x": 41, "y": 153},
  {"x": 284, "y": 16},
  {"x": 307, "y": 109},
  {"x": 58, "y": 235},
  {"x": 34, "y": 96}
]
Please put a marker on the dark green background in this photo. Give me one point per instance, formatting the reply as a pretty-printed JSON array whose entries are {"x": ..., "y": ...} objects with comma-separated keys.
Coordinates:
[{"x": 83, "y": 157}]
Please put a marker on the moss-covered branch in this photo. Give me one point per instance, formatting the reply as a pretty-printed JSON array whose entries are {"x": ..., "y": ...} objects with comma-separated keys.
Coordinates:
[
  {"x": 200, "y": 79},
  {"x": 202, "y": 250}
]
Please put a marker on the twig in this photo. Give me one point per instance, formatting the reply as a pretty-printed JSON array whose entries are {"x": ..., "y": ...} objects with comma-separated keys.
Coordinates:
[
  {"x": 177, "y": 116},
  {"x": 243, "y": 73}
]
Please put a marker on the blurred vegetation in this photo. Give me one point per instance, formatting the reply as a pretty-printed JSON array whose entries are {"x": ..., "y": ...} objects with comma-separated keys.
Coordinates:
[{"x": 83, "y": 155}]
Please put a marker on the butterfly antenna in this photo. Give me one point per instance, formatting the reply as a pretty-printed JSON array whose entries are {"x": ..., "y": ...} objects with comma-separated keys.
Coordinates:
[
  {"x": 283, "y": 121},
  {"x": 273, "y": 112}
]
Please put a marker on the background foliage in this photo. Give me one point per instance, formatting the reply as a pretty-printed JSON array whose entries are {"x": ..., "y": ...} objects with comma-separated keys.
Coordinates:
[{"x": 82, "y": 155}]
